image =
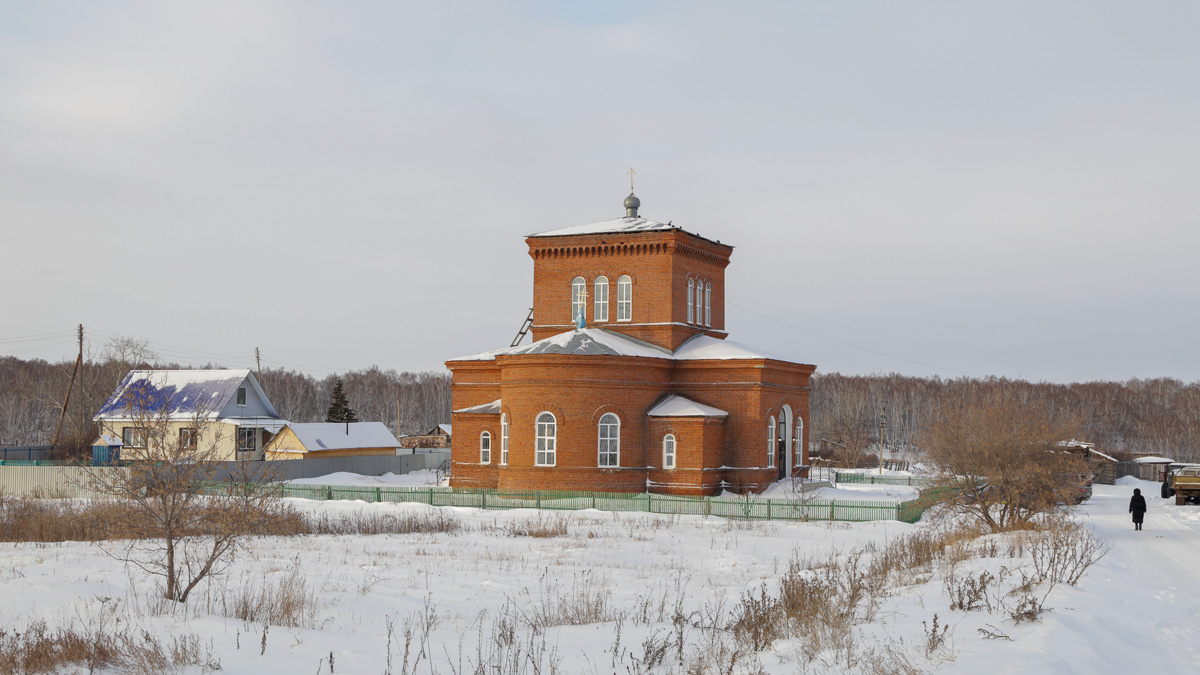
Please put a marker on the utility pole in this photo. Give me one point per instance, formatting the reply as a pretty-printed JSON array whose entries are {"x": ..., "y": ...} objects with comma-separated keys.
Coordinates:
[
  {"x": 67, "y": 400},
  {"x": 258, "y": 365},
  {"x": 882, "y": 431}
]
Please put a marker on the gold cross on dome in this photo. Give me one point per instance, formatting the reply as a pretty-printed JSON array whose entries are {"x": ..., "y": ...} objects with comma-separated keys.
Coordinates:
[{"x": 631, "y": 172}]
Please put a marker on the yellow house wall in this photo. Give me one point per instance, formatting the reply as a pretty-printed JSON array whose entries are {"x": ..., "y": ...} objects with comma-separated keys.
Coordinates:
[
  {"x": 224, "y": 434},
  {"x": 349, "y": 452}
]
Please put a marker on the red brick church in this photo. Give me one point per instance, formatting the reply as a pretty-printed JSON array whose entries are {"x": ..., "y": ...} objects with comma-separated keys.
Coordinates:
[{"x": 629, "y": 384}]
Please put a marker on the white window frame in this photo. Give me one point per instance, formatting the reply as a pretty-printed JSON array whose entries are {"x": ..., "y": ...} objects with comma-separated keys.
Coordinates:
[
  {"x": 608, "y": 441},
  {"x": 669, "y": 451},
  {"x": 241, "y": 396},
  {"x": 708, "y": 303},
  {"x": 625, "y": 298},
  {"x": 699, "y": 300},
  {"x": 578, "y": 284},
  {"x": 248, "y": 432},
  {"x": 690, "y": 302},
  {"x": 600, "y": 297},
  {"x": 485, "y": 447},
  {"x": 189, "y": 438},
  {"x": 798, "y": 442},
  {"x": 504, "y": 438},
  {"x": 133, "y": 437},
  {"x": 545, "y": 439},
  {"x": 771, "y": 450}
]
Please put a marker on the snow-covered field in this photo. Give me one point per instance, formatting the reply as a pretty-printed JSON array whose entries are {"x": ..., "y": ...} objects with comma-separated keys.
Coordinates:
[{"x": 477, "y": 592}]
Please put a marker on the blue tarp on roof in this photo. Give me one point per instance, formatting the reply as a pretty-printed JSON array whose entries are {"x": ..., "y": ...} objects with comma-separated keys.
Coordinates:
[{"x": 178, "y": 392}]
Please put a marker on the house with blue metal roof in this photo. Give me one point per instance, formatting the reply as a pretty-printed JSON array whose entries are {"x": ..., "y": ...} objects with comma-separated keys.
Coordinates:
[{"x": 224, "y": 412}]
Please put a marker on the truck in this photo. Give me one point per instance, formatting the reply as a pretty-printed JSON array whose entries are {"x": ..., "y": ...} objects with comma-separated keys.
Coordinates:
[{"x": 1182, "y": 482}]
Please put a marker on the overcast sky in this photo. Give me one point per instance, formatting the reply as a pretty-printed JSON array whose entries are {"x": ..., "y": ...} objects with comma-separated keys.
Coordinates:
[{"x": 929, "y": 188}]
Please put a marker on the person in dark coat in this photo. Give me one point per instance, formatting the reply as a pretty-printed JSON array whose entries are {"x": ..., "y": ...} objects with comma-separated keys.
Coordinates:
[{"x": 1137, "y": 506}]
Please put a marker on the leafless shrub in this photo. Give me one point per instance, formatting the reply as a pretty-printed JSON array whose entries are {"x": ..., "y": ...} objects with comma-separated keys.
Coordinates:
[
  {"x": 970, "y": 593},
  {"x": 935, "y": 637},
  {"x": 1064, "y": 551}
]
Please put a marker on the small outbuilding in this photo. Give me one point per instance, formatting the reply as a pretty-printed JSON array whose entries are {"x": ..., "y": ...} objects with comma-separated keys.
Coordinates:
[
  {"x": 1102, "y": 466},
  {"x": 332, "y": 439},
  {"x": 106, "y": 450}
]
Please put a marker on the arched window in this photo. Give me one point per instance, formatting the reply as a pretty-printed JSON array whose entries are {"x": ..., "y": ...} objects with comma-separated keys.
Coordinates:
[
  {"x": 485, "y": 447},
  {"x": 699, "y": 300},
  {"x": 624, "y": 298},
  {"x": 708, "y": 303},
  {"x": 669, "y": 451},
  {"x": 691, "y": 288},
  {"x": 771, "y": 441},
  {"x": 798, "y": 442},
  {"x": 547, "y": 435},
  {"x": 577, "y": 290},
  {"x": 600, "y": 294},
  {"x": 609, "y": 440},
  {"x": 504, "y": 438}
]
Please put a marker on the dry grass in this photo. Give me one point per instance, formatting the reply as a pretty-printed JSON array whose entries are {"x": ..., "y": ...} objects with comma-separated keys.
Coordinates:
[
  {"x": 30, "y": 519},
  {"x": 539, "y": 526},
  {"x": 38, "y": 649},
  {"x": 286, "y": 600}
]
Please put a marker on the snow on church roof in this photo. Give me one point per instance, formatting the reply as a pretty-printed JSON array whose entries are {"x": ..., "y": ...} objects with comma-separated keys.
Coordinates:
[
  {"x": 616, "y": 225},
  {"x": 601, "y": 342},
  {"x": 492, "y": 408},
  {"x": 678, "y": 406},
  {"x": 586, "y": 341}
]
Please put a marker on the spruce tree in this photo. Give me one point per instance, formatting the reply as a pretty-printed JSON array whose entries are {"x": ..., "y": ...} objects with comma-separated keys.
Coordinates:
[{"x": 339, "y": 407}]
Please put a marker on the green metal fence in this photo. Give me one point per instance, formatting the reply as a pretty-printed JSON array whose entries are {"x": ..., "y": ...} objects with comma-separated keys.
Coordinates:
[
  {"x": 845, "y": 477},
  {"x": 726, "y": 507}
]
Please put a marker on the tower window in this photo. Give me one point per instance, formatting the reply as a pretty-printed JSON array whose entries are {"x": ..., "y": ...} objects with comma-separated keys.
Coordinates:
[
  {"x": 577, "y": 294},
  {"x": 485, "y": 448},
  {"x": 708, "y": 303},
  {"x": 624, "y": 298},
  {"x": 771, "y": 441},
  {"x": 699, "y": 300},
  {"x": 690, "y": 304},
  {"x": 600, "y": 294},
  {"x": 609, "y": 440},
  {"x": 669, "y": 451}
]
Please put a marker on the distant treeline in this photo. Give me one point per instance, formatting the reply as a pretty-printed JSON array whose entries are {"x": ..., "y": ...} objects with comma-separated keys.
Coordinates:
[
  {"x": 1159, "y": 416},
  {"x": 31, "y": 396}
]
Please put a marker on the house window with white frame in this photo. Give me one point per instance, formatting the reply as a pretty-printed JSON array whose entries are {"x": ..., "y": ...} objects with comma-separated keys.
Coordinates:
[
  {"x": 246, "y": 438},
  {"x": 669, "y": 451},
  {"x": 609, "y": 440},
  {"x": 600, "y": 296},
  {"x": 504, "y": 438},
  {"x": 547, "y": 436},
  {"x": 708, "y": 303},
  {"x": 771, "y": 442},
  {"x": 578, "y": 284},
  {"x": 625, "y": 298},
  {"x": 133, "y": 437},
  {"x": 187, "y": 438},
  {"x": 690, "y": 303},
  {"x": 485, "y": 447}
]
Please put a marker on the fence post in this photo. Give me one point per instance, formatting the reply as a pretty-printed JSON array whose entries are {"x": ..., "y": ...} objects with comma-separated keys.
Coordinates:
[
  {"x": 538, "y": 496},
  {"x": 769, "y": 508},
  {"x": 483, "y": 500},
  {"x": 832, "y": 506},
  {"x": 378, "y": 494}
]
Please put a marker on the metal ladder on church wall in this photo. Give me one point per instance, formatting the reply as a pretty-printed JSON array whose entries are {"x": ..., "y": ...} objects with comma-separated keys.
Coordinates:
[{"x": 524, "y": 329}]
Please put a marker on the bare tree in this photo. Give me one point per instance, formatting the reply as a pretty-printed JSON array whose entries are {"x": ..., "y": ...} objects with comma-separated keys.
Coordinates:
[
  {"x": 999, "y": 462},
  {"x": 176, "y": 529}
]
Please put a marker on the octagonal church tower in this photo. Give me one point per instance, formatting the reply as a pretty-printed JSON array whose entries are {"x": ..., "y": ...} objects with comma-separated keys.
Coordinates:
[{"x": 629, "y": 384}]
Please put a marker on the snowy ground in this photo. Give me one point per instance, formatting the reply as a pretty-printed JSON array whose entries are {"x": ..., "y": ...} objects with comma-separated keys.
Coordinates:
[
  {"x": 1134, "y": 611},
  {"x": 424, "y": 477}
]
